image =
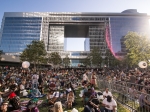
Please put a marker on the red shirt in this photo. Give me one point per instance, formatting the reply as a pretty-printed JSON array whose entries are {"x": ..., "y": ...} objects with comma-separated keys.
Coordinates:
[{"x": 12, "y": 95}]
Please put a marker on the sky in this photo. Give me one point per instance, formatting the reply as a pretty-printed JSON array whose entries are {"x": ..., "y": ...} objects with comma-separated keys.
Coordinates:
[
  {"x": 143, "y": 6},
  {"x": 74, "y": 44}
]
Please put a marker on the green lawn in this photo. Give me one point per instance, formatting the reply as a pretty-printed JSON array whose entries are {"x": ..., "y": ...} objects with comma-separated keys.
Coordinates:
[
  {"x": 121, "y": 108},
  {"x": 79, "y": 105},
  {"x": 129, "y": 102}
]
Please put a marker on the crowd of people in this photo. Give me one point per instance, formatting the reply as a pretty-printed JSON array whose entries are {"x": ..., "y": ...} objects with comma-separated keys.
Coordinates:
[
  {"x": 131, "y": 85},
  {"x": 59, "y": 86}
]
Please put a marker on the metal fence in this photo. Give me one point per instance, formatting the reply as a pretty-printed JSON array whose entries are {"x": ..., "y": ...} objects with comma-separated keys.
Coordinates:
[{"x": 135, "y": 101}]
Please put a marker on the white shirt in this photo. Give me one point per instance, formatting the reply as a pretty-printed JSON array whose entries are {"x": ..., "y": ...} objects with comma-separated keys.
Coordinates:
[
  {"x": 85, "y": 77},
  {"x": 68, "y": 89},
  {"x": 56, "y": 94},
  {"x": 132, "y": 92},
  {"x": 35, "y": 78},
  {"x": 114, "y": 79},
  {"x": 49, "y": 96},
  {"x": 111, "y": 104},
  {"x": 107, "y": 94},
  {"x": 22, "y": 87}
]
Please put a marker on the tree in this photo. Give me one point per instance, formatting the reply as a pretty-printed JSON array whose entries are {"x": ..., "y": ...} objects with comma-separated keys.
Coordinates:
[
  {"x": 110, "y": 59},
  {"x": 66, "y": 61},
  {"x": 126, "y": 62},
  {"x": 138, "y": 48},
  {"x": 55, "y": 58},
  {"x": 86, "y": 61},
  {"x": 95, "y": 57},
  {"x": 34, "y": 53}
]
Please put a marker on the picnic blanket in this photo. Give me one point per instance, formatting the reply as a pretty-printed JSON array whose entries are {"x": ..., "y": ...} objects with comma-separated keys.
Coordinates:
[
  {"x": 30, "y": 96},
  {"x": 27, "y": 101},
  {"x": 24, "y": 104}
]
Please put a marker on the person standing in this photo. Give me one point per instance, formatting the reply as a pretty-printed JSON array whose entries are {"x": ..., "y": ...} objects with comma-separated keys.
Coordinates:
[
  {"x": 132, "y": 78},
  {"x": 89, "y": 74},
  {"x": 107, "y": 93},
  {"x": 35, "y": 78},
  {"x": 93, "y": 80},
  {"x": 85, "y": 79},
  {"x": 40, "y": 79}
]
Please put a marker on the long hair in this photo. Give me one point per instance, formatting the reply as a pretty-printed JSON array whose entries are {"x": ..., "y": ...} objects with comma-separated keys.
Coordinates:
[{"x": 58, "y": 107}]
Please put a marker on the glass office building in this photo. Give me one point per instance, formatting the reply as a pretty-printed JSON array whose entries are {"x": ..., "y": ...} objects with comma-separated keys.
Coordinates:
[
  {"x": 102, "y": 30},
  {"x": 18, "y": 32},
  {"x": 121, "y": 25}
]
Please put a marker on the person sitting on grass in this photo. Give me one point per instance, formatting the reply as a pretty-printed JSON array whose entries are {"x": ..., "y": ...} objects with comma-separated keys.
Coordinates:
[
  {"x": 57, "y": 107},
  {"x": 52, "y": 97},
  {"x": 52, "y": 85},
  {"x": 87, "y": 96},
  {"x": 93, "y": 93},
  {"x": 14, "y": 100},
  {"x": 92, "y": 106},
  {"x": 32, "y": 105},
  {"x": 41, "y": 88},
  {"x": 4, "y": 107},
  {"x": 109, "y": 104},
  {"x": 35, "y": 92},
  {"x": 70, "y": 99}
]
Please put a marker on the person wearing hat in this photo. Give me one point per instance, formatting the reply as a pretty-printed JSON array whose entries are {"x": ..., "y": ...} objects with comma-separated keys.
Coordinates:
[
  {"x": 14, "y": 100},
  {"x": 4, "y": 107}
]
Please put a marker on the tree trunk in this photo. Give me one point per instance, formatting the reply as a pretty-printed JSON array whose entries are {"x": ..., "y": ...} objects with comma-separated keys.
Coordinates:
[{"x": 35, "y": 66}]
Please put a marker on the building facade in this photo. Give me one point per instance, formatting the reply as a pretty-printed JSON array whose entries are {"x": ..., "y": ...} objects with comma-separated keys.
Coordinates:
[
  {"x": 104, "y": 30},
  {"x": 86, "y": 44}
]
